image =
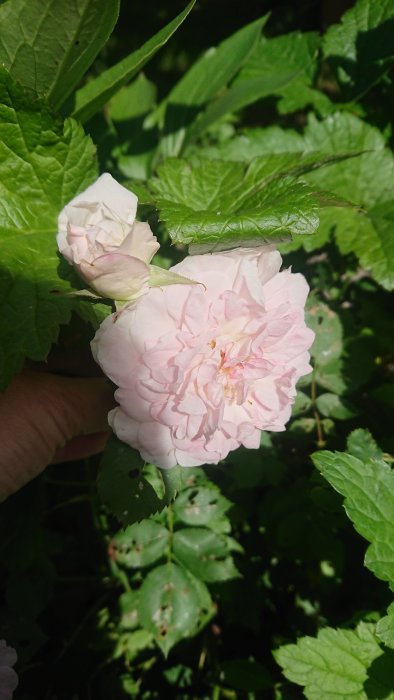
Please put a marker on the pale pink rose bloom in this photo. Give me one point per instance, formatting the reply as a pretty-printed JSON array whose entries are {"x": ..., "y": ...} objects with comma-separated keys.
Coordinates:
[
  {"x": 203, "y": 369},
  {"x": 98, "y": 234},
  {"x": 8, "y": 677}
]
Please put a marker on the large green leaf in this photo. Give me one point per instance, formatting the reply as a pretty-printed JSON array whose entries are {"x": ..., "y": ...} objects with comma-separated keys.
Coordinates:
[
  {"x": 169, "y": 607},
  {"x": 43, "y": 164},
  {"x": 221, "y": 204},
  {"x": 48, "y": 45},
  {"x": 339, "y": 664},
  {"x": 90, "y": 98},
  {"x": 368, "y": 488},
  {"x": 212, "y": 72},
  {"x": 360, "y": 48}
]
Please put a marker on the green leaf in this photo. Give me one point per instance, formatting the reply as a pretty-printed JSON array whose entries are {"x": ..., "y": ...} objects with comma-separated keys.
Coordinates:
[
  {"x": 334, "y": 407},
  {"x": 202, "y": 81},
  {"x": 43, "y": 164},
  {"x": 220, "y": 205},
  {"x": 140, "y": 544},
  {"x": 169, "y": 606},
  {"x": 385, "y": 628},
  {"x": 327, "y": 327},
  {"x": 335, "y": 664},
  {"x": 121, "y": 484},
  {"x": 361, "y": 444},
  {"x": 135, "y": 145},
  {"x": 291, "y": 59},
  {"x": 301, "y": 404},
  {"x": 201, "y": 505},
  {"x": 205, "y": 553},
  {"x": 128, "y": 608},
  {"x": 360, "y": 47},
  {"x": 250, "y": 143},
  {"x": 368, "y": 489},
  {"x": 90, "y": 98},
  {"x": 48, "y": 46}
]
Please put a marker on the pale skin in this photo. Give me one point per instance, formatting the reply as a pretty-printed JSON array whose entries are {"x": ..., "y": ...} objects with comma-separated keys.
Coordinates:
[{"x": 47, "y": 418}]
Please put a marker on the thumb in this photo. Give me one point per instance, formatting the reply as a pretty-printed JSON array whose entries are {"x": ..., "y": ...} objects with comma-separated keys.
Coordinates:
[{"x": 40, "y": 414}]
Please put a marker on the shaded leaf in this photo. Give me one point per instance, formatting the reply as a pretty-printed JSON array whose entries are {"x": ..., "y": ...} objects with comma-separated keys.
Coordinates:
[
  {"x": 201, "y": 505},
  {"x": 90, "y": 98},
  {"x": 368, "y": 489},
  {"x": 202, "y": 81},
  {"x": 360, "y": 47},
  {"x": 121, "y": 484}
]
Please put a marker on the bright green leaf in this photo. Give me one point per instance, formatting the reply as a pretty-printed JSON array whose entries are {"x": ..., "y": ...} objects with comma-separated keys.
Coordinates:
[
  {"x": 140, "y": 544},
  {"x": 48, "y": 46},
  {"x": 43, "y": 164},
  {"x": 335, "y": 664},
  {"x": 205, "y": 553},
  {"x": 221, "y": 204},
  {"x": 93, "y": 96},
  {"x": 368, "y": 489}
]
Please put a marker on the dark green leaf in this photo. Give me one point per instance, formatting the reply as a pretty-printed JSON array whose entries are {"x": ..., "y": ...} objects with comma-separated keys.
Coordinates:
[
  {"x": 334, "y": 407},
  {"x": 90, "y": 98},
  {"x": 360, "y": 48},
  {"x": 121, "y": 484},
  {"x": 242, "y": 674}
]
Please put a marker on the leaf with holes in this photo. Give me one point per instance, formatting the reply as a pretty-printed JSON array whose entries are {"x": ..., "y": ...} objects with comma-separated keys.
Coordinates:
[
  {"x": 205, "y": 553},
  {"x": 122, "y": 487},
  {"x": 203, "y": 506},
  {"x": 44, "y": 162},
  {"x": 169, "y": 606},
  {"x": 140, "y": 544},
  {"x": 55, "y": 42}
]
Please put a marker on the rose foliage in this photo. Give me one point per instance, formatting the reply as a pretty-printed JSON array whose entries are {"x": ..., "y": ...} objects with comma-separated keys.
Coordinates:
[{"x": 218, "y": 207}]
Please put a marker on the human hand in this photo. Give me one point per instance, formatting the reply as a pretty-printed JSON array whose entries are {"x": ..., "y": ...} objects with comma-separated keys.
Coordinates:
[{"x": 46, "y": 418}]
